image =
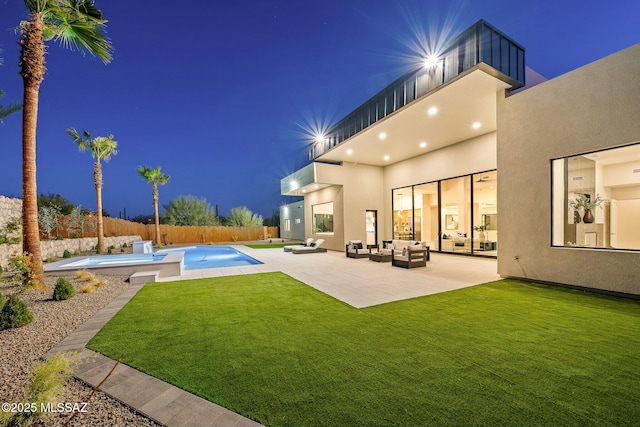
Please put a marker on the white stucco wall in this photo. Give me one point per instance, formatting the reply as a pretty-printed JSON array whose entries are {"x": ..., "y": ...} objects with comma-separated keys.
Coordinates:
[{"x": 589, "y": 109}]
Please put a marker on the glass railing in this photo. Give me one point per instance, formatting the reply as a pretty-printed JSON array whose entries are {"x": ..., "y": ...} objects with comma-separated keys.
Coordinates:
[{"x": 481, "y": 43}]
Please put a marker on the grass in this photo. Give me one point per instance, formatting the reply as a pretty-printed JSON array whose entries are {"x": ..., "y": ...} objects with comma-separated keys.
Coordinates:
[{"x": 505, "y": 353}]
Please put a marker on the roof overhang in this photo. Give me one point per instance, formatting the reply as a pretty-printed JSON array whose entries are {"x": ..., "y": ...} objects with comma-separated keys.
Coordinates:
[{"x": 467, "y": 100}]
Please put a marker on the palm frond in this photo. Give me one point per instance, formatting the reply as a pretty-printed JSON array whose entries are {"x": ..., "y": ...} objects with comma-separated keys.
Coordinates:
[
  {"x": 153, "y": 176},
  {"x": 88, "y": 10},
  {"x": 77, "y": 25},
  {"x": 83, "y": 143},
  {"x": 104, "y": 147},
  {"x": 11, "y": 108}
]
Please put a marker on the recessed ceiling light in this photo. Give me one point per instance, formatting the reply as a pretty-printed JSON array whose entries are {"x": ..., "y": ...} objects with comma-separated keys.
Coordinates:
[
  {"x": 349, "y": 152},
  {"x": 432, "y": 111},
  {"x": 423, "y": 144},
  {"x": 387, "y": 157},
  {"x": 316, "y": 186},
  {"x": 476, "y": 125},
  {"x": 304, "y": 191},
  {"x": 382, "y": 135}
]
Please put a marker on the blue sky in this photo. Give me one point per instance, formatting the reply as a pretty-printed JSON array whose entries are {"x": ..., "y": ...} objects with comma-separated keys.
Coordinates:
[{"x": 220, "y": 93}]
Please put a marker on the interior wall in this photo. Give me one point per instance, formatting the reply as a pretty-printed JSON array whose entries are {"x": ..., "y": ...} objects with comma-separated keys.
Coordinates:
[{"x": 586, "y": 110}]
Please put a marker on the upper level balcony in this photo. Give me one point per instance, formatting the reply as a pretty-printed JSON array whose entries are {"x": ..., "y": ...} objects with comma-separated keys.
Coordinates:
[{"x": 479, "y": 47}]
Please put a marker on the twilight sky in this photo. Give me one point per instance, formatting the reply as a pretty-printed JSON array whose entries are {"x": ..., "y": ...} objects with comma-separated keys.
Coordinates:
[{"x": 222, "y": 94}]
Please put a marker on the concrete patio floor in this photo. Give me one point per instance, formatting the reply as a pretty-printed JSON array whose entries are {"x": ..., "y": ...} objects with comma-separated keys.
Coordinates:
[
  {"x": 357, "y": 282},
  {"x": 360, "y": 282}
]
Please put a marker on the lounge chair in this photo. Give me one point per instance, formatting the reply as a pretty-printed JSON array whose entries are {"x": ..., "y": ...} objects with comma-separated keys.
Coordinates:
[
  {"x": 313, "y": 249},
  {"x": 304, "y": 244},
  {"x": 354, "y": 249}
]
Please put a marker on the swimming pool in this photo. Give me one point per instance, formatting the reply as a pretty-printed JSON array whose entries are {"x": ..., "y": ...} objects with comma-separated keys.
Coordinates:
[
  {"x": 199, "y": 257},
  {"x": 163, "y": 263}
]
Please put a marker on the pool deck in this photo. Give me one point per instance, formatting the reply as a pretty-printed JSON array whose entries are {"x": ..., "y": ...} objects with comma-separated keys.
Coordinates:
[
  {"x": 357, "y": 282},
  {"x": 360, "y": 282}
]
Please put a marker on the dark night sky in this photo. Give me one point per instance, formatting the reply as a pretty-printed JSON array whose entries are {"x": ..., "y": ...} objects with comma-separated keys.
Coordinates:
[{"x": 219, "y": 93}]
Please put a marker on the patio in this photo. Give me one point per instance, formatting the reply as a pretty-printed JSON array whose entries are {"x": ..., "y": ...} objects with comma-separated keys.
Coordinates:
[{"x": 360, "y": 282}]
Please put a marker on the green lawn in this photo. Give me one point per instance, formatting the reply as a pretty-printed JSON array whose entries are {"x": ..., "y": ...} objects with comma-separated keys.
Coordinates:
[{"x": 505, "y": 353}]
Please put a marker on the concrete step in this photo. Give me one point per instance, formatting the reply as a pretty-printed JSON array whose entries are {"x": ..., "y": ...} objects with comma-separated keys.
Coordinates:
[{"x": 142, "y": 277}]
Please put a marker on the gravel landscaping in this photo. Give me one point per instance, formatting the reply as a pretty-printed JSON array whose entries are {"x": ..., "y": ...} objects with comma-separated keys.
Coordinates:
[{"x": 22, "y": 348}]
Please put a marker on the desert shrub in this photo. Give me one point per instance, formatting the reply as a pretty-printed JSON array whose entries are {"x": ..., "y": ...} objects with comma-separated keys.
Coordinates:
[
  {"x": 46, "y": 387},
  {"x": 51, "y": 259},
  {"x": 112, "y": 247},
  {"x": 49, "y": 219},
  {"x": 63, "y": 290},
  {"x": 76, "y": 252},
  {"x": 15, "y": 314},
  {"x": 3, "y": 300},
  {"x": 86, "y": 289},
  {"x": 10, "y": 232},
  {"x": 24, "y": 274},
  {"x": 121, "y": 249},
  {"x": 124, "y": 245},
  {"x": 109, "y": 251},
  {"x": 84, "y": 275},
  {"x": 66, "y": 254},
  {"x": 92, "y": 282}
]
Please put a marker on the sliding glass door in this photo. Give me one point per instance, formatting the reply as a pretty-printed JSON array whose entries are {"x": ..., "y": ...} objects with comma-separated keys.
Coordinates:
[{"x": 457, "y": 215}]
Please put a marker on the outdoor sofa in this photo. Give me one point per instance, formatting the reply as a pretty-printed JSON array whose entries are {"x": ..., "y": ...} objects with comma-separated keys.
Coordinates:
[
  {"x": 414, "y": 256},
  {"x": 407, "y": 253}
]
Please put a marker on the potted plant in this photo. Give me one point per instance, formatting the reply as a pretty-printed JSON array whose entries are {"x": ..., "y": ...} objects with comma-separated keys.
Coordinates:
[
  {"x": 587, "y": 204},
  {"x": 481, "y": 229}
]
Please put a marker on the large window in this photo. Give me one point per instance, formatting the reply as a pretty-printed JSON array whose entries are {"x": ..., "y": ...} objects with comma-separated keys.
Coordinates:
[
  {"x": 323, "y": 219},
  {"x": 457, "y": 215},
  {"x": 596, "y": 199}
]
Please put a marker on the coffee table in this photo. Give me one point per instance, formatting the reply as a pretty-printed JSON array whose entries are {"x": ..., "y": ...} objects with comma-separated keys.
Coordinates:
[{"x": 378, "y": 257}]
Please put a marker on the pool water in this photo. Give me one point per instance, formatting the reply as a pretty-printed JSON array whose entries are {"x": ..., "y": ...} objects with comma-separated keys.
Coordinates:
[{"x": 199, "y": 257}]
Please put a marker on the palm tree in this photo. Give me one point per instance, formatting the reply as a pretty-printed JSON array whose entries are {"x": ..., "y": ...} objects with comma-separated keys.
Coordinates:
[
  {"x": 76, "y": 24},
  {"x": 101, "y": 148},
  {"x": 155, "y": 178}
]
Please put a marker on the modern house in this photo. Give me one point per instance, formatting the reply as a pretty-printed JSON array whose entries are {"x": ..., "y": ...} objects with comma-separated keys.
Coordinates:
[{"x": 474, "y": 136}]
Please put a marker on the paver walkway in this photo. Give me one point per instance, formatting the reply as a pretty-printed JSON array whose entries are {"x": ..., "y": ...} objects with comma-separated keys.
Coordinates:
[
  {"x": 162, "y": 402},
  {"x": 358, "y": 282}
]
